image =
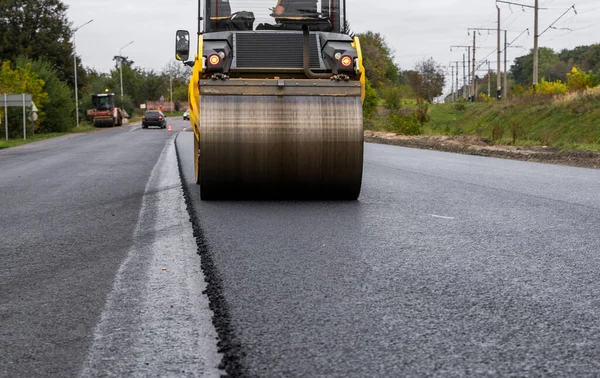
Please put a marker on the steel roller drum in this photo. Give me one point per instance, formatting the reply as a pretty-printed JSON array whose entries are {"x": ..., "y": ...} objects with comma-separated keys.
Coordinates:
[{"x": 281, "y": 147}]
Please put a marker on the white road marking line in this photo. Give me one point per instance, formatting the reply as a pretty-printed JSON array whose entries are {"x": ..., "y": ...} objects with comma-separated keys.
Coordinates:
[
  {"x": 156, "y": 322},
  {"x": 441, "y": 217},
  {"x": 135, "y": 128}
]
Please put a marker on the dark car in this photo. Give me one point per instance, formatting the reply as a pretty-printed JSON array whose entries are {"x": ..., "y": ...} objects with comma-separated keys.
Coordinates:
[{"x": 154, "y": 118}]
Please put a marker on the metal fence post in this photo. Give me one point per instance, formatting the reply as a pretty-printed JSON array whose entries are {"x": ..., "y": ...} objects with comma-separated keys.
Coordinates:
[
  {"x": 6, "y": 116},
  {"x": 24, "y": 120}
]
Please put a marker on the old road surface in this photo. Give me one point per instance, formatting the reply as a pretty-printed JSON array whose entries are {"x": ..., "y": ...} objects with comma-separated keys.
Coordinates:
[{"x": 448, "y": 265}]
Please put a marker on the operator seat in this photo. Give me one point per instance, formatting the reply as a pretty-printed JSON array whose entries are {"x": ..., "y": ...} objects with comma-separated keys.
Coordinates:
[{"x": 221, "y": 18}]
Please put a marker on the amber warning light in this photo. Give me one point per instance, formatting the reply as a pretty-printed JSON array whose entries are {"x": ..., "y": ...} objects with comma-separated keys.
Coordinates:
[
  {"x": 346, "y": 61},
  {"x": 214, "y": 59}
]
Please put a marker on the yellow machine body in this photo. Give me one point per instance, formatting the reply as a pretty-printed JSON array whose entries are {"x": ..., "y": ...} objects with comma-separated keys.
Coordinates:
[{"x": 277, "y": 134}]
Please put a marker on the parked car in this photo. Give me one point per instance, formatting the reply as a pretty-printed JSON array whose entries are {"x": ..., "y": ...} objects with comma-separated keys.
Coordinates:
[
  {"x": 154, "y": 118},
  {"x": 186, "y": 115}
]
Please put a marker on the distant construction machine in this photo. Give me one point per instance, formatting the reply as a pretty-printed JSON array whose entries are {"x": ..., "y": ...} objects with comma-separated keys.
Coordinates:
[
  {"x": 104, "y": 112},
  {"x": 276, "y": 109}
]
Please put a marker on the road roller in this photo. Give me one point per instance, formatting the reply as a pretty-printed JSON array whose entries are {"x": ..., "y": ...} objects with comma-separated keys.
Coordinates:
[{"x": 275, "y": 100}]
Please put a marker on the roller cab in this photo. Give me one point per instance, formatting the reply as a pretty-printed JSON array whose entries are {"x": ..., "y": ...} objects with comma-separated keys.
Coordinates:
[{"x": 276, "y": 101}]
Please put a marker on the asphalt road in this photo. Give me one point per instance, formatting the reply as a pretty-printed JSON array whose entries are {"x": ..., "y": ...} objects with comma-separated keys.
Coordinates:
[
  {"x": 99, "y": 273},
  {"x": 448, "y": 265}
]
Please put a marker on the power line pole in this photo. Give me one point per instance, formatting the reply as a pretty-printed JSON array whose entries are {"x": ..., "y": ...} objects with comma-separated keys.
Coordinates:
[
  {"x": 456, "y": 76},
  {"x": 536, "y": 47},
  {"x": 489, "y": 80},
  {"x": 537, "y": 9},
  {"x": 464, "y": 76},
  {"x": 473, "y": 61},
  {"x": 499, "y": 48},
  {"x": 466, "y": 85},
  {"x": 505, "y": 86},
  {"x": 457, "y": 93},
  {"x": 499, "y": 75},
  {"x": 452, "y": 87}
]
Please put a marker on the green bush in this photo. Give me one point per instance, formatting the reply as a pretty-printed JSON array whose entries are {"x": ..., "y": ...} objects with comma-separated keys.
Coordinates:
[
  {"x": 579, "y": 81},
  {"x": 551, "y": 88},
  {"x": 60, "y": 108},
  {"x": 422, "y": 111},
  {"x": 405, "y": 124},
  {"x": 371, "y": 101},
  {"x": 393, "y": 98},
  {"x": 459, "y": 106}
]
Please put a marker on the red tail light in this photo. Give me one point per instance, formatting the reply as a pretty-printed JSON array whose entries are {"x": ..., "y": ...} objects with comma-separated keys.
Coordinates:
[
  {"x": 143, "y": 117},
  {"x": 160, "y": 118}
]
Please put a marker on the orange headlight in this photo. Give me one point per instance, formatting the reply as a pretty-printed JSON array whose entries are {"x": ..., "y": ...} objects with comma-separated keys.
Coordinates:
[
  {"x": 214, "y": 59},
  {"x": 346, "y": 61}
]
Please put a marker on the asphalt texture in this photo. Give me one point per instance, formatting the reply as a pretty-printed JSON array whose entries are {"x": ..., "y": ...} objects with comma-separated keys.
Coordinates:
[
  {"x": 99, "y": 273},
  {"x": 448, "y": 265}
]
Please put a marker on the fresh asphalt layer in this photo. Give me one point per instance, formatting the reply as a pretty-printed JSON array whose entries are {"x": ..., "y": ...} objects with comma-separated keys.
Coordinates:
[
  {"x": 99, "y": 273},
  {"x": 448, "y": 265}
]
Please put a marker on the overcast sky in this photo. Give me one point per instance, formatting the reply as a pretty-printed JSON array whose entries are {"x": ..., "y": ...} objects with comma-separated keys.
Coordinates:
[{"x": 414, "y": 29}]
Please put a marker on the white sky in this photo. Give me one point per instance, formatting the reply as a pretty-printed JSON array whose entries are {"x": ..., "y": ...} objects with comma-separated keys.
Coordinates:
[{"x": 414, "y": 29}]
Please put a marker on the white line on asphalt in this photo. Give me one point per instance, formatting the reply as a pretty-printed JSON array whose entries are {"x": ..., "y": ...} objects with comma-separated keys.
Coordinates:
[
  {"x": 156, "y": 321},
  {"x": 441, "y": 217},
  {"x": 135, "y": 128}
]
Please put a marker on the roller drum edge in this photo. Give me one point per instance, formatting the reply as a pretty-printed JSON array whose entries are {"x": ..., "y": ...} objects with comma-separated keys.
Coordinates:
[{"x": 288, "y": 147}]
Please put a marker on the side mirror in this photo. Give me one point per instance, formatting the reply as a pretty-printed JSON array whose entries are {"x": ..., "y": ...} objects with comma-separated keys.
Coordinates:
[{"x": 182, "y": 45}]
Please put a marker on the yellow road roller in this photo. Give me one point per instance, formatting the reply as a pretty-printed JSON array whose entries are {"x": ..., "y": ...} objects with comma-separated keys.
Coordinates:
[{"x": 275, "y": 100}]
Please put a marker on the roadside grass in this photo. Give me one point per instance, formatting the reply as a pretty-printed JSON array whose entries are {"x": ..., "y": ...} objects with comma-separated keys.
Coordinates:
[
  {"x": 568, "y": 122},
  {"x": 567, "y": 125},
  {"x": 84, "y": 128}
]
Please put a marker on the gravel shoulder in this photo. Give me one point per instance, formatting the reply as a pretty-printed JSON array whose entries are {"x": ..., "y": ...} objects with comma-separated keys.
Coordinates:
[{"x": 471, "y": 145}]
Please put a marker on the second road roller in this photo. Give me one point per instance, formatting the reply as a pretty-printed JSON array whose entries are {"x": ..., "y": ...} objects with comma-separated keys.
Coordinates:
[{"x": 275, "y": 100}]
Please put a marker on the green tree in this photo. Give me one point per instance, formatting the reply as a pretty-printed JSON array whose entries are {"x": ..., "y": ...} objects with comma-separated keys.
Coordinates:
[
  {"x": 22, "y": 80},
  {"x": 60, "y": 108},
  {"x": 427, "y": 80},
  {"x": 37, "y": 29},
  {"x": 522, "y": 70},
  {"x": 371, "y": 101},
  {"x": 378, "y": 60}
]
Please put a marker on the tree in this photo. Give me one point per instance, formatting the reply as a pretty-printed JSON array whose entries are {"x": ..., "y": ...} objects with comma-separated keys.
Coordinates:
[
  {"x": 378, "y": 60},
  {"x": 522, "y": 70},
  {"x": 21, "y": 80},
  {"x": 60, "y": 108},
  {"x": 37, "y": 29},
  {"x": 428, "y": 79}
]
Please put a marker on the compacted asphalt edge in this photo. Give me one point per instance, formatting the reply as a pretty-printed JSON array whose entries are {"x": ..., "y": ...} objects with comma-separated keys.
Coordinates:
[{"x": 228, "y": 345}]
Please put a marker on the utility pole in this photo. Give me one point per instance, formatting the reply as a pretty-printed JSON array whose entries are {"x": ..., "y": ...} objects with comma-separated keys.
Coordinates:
[
  {"x": 466, "y": 67},
  {"x": 489, "y": 80},
  {"x": 171, "y": 96},
  {"x": 452, "y": 87},
  {"x": 473, "y": 61},
  {"x": 536, "y": 47},
  {"x": 121, "y": 66},
  {"x": 457, "y": 93},
  {"x": 499, "y": 75},
  {"x": 75, "y": 73},
  {"x": 537, "y": 9},
  {"x": 464, "y": 77},
  {"x": 499, "y": 49},
  {"x": 505, "y": 86}
]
